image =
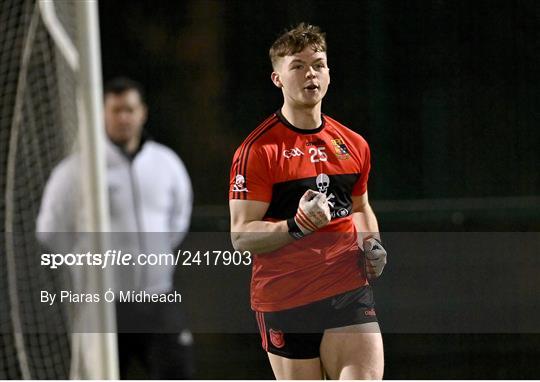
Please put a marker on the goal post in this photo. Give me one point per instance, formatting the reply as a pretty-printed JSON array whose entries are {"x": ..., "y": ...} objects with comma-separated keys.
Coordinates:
[
  {"x": 94, "y": 187},
  {"x": 50, "y": 101}
]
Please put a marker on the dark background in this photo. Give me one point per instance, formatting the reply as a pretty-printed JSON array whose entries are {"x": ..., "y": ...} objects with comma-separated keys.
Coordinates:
[{"x": 445, "y": 92}]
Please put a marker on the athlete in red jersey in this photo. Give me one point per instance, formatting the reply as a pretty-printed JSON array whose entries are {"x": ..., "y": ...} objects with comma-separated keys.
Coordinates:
[
  {"x": 277, "y": 165},
  {"x": 301, "y": 172}
]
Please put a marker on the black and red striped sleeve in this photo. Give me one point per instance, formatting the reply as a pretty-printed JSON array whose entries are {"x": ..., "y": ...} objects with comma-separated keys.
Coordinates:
[{"x": 251, "y": 176}]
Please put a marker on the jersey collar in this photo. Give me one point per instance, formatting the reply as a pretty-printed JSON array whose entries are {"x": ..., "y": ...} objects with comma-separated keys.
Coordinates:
[{"x": 289, "y": 125}]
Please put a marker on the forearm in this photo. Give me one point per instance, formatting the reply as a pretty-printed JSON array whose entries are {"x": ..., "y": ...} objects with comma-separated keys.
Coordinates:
[
  {"x": 261, "y": 236},
  {"x": 366, "y": 223}
]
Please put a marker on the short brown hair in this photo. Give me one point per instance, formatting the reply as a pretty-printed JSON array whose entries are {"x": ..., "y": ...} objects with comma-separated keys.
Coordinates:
[{"x": 296, "y": 40}]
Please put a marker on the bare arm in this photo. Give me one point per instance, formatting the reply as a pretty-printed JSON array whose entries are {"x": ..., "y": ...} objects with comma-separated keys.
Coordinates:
[
  {"x": 364, "y": 218},
  {"x": 369, "y": 238},
  {"x": 250, "y": 233}
]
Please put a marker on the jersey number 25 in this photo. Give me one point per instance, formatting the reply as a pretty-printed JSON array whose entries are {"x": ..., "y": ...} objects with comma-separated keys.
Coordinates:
[{"x": 318, "y": 154}]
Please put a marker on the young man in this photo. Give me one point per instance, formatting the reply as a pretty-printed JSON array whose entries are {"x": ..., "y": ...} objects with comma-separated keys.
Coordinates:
[{"x": 300, "y": 172}]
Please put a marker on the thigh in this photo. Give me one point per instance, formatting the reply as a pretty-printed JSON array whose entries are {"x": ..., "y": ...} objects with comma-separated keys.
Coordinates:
[
  {"x": 293, "y": 334},
  {"x": 353, "y": 352},
  {"x": 287, "y": 368},
  {"x": 292, "y": 340}
]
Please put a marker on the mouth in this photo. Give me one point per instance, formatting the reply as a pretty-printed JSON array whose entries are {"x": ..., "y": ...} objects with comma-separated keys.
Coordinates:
[{"x": 312, "y": 87}]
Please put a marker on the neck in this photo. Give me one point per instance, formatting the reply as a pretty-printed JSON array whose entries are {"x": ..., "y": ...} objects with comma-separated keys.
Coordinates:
[
  {"x": 303, "y": 118},
  {"x": 130, "y": 146}
]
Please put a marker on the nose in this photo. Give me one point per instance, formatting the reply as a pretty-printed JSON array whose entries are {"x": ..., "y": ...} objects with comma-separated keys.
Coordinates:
[
  {"x": 311, "y": 73},
  {"x": 123, "y": 117}
]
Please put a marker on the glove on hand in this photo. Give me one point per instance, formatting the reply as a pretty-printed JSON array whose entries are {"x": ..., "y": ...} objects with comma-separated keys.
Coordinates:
[
  {"x": 375, "y": 257},
  {"x": 313, "y": 212}
]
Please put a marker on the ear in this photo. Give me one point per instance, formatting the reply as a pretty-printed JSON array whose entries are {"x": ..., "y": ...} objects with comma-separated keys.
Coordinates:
[
  {"x": 144, "y": 113},
  {"x": 329, "y": 77},
  {"x": 276, "y": 80}
]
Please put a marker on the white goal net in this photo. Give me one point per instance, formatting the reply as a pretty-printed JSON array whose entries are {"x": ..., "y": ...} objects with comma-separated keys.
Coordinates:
[{"x": 40, "y": 121}]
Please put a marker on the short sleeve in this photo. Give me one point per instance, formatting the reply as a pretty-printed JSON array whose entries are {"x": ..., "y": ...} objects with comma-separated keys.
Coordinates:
[
  {"x": 360, "y": 186},
  {"x": 250, "y": 178}
]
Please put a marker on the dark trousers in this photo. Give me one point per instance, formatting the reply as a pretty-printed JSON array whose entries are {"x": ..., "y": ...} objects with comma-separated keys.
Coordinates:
[{"x": 155, "y": 335}]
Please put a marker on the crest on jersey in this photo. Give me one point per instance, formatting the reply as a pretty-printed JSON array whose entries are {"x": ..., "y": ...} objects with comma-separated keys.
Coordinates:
[
  {"x": 239, "y": 184},
  {"x": 340, "y": 149}
]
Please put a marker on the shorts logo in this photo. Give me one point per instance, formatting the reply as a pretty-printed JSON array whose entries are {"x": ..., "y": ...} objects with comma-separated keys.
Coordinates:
[
  {"x": 340, "y": 149},
  {"x": 296, "y": 152},
  {"x": 370, "y": 312},
  {"x": 239, "y": 184},
  {"x": 277, "y": 338}
]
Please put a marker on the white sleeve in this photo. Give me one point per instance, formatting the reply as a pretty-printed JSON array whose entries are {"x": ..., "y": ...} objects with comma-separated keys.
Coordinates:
[
  {"x": 180, "y": 217},
  {"x": 58, "y": 213}
]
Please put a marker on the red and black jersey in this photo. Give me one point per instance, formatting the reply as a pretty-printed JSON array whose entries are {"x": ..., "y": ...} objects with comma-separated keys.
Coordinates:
[{"x": 276, "y": 164}]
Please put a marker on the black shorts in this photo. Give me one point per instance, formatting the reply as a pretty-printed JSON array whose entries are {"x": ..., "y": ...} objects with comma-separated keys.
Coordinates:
[{"x": 297, "y": 333}]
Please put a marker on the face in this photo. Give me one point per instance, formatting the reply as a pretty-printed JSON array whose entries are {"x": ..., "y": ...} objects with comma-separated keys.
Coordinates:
[
  {"x": 303, "y": 77},
  {"x": 125, "y": 115}
]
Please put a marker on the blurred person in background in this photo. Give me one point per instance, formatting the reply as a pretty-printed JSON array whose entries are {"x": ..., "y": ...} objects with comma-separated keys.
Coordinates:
[
  {"x": 150, "y": 203},
  {"x": 299, "y": 201}
]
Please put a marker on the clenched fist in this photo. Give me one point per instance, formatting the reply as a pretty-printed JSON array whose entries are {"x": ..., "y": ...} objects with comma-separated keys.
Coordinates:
[
  {"x": 375, "y": 257},
  {"x": 313, "y": 213}
]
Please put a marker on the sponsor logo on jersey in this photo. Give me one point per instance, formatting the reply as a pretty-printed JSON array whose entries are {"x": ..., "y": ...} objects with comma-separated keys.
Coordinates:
[
  {"x": 323, "y": 182},
  {"x": 239, "y": 184},
  {"x": 277, "y": 338},
  {"x": 340, "y": 149},
  {"x": 341, "y": 213},
  {"x": 296, "y": 152},
  {"x": 316, "y": 142}
]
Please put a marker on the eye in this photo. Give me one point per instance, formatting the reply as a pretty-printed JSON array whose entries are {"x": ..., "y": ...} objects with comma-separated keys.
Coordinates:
[{"x": 298, "y": 66}]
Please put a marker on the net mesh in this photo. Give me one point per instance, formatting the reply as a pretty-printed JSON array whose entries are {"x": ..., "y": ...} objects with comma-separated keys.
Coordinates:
[{"x": 38, "y": 127}]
